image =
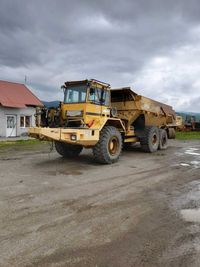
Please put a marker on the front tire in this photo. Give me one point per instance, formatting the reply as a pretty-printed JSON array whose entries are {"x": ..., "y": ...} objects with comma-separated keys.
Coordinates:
[
  {"x": 109, "y": 146},
  {"x": 67, "y": 150}
]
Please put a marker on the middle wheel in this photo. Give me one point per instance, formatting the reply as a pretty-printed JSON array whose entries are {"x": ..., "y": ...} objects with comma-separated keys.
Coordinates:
[{"x": 150, "y": 139}]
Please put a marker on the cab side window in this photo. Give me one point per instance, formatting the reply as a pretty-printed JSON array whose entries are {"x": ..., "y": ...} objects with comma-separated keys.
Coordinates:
[
  {"x": 99, "y": 96},
  {"x": 92, "y": 95}
]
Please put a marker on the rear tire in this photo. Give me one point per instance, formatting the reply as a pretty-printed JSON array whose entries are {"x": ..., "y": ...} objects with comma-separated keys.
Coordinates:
[
  {"x": 109, "y": 146},
  {"x": 171, "y": 133},
  {"x": 163, "y": 144},
  {"x": 150, "y": 139},
  {"x": 67, "y": 150}
]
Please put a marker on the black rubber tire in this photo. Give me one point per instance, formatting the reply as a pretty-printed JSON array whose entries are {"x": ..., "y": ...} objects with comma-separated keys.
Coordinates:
[
  {"x": 67, "y": 150},
  {"x": 163, "y": 144},
  {"x": 150, "y": 139},
  {"x": 101, "y": 149},
  {"x": 171, "y": 133}
]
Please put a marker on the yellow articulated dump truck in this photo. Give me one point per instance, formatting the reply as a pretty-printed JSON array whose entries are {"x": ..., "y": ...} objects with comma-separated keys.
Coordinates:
[{"x": 107, "y": 120}]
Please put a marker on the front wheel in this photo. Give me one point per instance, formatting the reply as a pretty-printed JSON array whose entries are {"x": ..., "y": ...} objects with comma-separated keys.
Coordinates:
[
  {"x": 109, "y": 146},
  {"x": 67, "y": 150}
]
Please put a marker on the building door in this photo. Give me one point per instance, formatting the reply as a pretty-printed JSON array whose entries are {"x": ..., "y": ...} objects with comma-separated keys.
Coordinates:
[{"x": 11, "y": 129}]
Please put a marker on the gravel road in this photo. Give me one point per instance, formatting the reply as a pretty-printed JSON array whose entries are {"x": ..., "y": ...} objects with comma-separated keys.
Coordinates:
[{"x": 142, "y": 211}]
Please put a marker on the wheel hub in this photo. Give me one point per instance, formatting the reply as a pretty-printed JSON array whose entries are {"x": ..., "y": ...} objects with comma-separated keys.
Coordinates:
[
  {"x": 113, "y": 145},
  {"x": 154, "y": 139}
]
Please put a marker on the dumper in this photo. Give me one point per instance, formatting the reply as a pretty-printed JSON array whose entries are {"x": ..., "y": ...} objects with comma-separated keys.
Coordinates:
[{"x": 92, "y": 115}]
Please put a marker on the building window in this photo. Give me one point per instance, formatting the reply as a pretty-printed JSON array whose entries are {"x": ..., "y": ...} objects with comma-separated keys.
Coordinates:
[
  {"x": 22, "y": 124},
  {"x": 25, "y": 121}
]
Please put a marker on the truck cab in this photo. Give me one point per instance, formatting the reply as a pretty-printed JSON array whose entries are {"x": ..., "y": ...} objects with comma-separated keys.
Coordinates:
[{"x": 85, "y": 102}]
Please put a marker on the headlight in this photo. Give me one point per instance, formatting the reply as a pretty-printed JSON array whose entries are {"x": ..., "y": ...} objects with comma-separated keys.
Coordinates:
[
  {"x": 74, "y": 113},
  {"x": 73, "y": 137}
]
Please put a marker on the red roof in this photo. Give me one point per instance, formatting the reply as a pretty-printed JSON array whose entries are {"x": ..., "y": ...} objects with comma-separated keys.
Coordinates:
[{"x": 17, "y": 95}]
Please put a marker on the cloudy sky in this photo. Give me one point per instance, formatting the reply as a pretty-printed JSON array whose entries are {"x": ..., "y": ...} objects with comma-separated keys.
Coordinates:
[{"x": 151, "y": 45}]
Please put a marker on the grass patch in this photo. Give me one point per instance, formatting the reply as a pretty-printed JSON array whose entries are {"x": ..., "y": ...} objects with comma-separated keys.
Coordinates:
[
  {"x": 187, "y": 135},
  {"x": 17, "y": 143}
]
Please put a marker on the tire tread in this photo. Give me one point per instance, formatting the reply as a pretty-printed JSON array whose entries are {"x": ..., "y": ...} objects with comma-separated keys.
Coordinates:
[{"x": 100, "y": 149}]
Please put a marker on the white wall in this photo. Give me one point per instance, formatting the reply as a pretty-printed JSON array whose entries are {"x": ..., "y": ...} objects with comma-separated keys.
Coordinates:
[
  {"x": 29, "y": 111},
  {"x": 2, "y": 123}
]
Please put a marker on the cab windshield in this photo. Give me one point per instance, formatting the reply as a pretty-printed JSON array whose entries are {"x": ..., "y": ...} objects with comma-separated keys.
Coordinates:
[{"x": 75, "y": 94}]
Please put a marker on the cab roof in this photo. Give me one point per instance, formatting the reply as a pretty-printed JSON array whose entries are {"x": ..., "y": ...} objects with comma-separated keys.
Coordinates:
[{"x": 87, "y": 82}]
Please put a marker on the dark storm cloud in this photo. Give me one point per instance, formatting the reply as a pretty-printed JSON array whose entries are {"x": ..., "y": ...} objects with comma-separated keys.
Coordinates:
[
  {"x": 53, "y": 41},
  {"x": 30, "y": 29}
]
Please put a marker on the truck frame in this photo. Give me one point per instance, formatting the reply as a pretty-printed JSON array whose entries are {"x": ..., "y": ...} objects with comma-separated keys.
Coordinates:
[{"x": 95, "y": 116}]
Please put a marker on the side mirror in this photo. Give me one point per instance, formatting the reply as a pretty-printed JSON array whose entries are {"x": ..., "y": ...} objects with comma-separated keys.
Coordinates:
[{"x": 113, "y": 112}]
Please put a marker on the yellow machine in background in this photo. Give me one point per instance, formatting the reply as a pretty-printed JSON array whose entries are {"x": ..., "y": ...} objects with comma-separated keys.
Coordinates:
[
  {"x": 95, "y": 116},
  {"x": 179, "y": 123}
]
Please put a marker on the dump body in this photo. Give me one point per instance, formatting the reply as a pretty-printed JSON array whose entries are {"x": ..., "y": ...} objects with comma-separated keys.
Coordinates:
[{"x": 138, "y": 111}]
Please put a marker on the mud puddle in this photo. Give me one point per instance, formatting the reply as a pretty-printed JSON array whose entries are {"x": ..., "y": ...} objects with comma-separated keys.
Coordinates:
[
  {"x": 189, "y": 204},
  {"x": 191, "y": 215},
  {"x": 193, "y": 163},
  {"x": 193, "y": 158},
  {"x": 192, "y": 151}
]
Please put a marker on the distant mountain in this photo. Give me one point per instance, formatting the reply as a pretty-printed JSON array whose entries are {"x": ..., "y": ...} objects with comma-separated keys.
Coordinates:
[{"x": 51, "y": 104}]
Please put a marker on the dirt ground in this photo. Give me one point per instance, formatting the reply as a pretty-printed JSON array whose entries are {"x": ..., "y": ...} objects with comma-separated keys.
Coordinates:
[{"x": 142, "y": 211}]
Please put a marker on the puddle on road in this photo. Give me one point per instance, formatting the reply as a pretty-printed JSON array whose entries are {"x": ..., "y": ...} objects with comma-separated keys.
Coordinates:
[
  {"x": 187, "y": 240},
  {"x": 185, "y": 164},
  {"x": 191, "y": 215},
  {"x": 191, "y": 151},
  {"x": 195, "y": 162},
  {"x": 189, "y": 203}
]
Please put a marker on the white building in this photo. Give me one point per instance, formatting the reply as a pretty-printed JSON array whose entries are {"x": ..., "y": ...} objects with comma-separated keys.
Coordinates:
[{"x": 17, "y": 109}]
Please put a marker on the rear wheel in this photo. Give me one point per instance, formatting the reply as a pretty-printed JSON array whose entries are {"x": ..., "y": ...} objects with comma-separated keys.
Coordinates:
[
  {"x": 171, "y": 133},
  {"x": 109, "y": 146},
  {"x": 163, "y": 139},
  {"x": 67, "y": 150},
  {"x": 149, "y": 139}
]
